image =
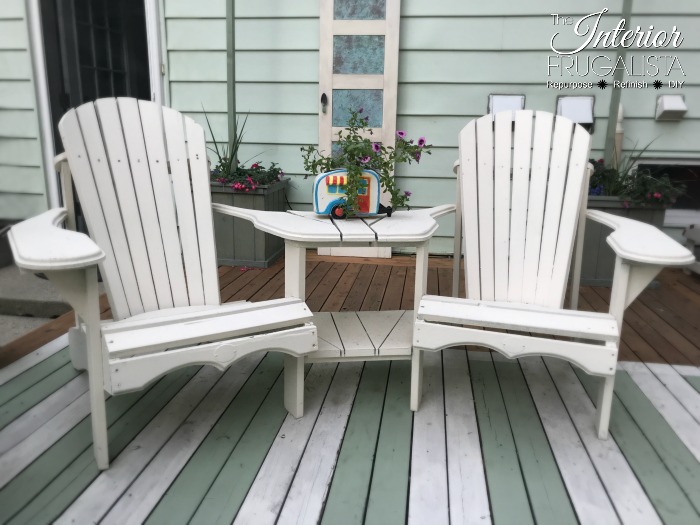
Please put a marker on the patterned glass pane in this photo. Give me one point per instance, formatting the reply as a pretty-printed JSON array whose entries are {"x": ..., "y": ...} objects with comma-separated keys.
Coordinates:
[
  {"x": 369, "y": 100},
  {"x": 358, "y": 54},
  {"x": 359, "y": 9}
]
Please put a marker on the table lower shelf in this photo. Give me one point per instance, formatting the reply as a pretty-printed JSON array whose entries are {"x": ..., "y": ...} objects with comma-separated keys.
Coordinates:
[{"x": 363, "y": 335}]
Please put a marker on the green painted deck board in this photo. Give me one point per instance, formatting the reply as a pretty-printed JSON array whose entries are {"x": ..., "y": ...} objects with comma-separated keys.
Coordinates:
[
  {"x": 673, "y": 452},
  {"x": 57, "y": 463},
  {"x": 226, "y": 494},
  {"x": 507, "y": 492},
  {"x": 184, "y": 496},
  {"x": 388, "y": 493},
  {"x": 694, "y": 382},
  {"x": 26, "y": 379},
  {"x": 660, "y": 485},
  {"x": 347, "y": 497},
  {"x": 36, "y": 393},
  {"x": 546, "y": 490}
]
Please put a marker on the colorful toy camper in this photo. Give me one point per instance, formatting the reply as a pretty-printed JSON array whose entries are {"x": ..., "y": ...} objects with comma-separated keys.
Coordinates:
[{"x": 329, "y": 193}]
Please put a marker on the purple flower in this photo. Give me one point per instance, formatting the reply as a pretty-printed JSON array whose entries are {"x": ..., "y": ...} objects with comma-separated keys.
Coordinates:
[
  {"x": 376, "y": 147},
  {"x": 417, "y": 156},
  {"x": 360, "y": 110},
  {"x": 407, "y": 193},
  {"x": 421, "y": 142},
  {"x": 364, "y": 160},
  {"x": 401, "y": 134}
]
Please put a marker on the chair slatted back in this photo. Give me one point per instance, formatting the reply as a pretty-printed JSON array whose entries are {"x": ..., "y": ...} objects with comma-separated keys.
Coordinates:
[
  {"x": 522, "y": 178},
  {"x": 141, "y": 174}
]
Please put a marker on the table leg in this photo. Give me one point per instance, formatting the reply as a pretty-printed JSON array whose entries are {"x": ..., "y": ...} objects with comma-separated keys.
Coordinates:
[
  {"x": 421, "y": 286},
  {"x": 294, "y": 286}
]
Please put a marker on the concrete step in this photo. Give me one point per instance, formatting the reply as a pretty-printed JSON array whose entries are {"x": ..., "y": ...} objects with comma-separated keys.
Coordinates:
[{"x": 24, "y": 294}]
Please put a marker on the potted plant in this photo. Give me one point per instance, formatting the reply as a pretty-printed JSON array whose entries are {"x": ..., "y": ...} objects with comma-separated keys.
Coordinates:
[
  {"x": 362, "y": 161},
  {"x": 258, "y": 187},
  {"x": 624, "y": 190}
]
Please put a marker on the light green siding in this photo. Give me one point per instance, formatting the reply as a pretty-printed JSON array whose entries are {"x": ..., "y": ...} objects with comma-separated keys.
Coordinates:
[
  {"x": 453, "y": 54},
  {"x": 22, "y": 184}
]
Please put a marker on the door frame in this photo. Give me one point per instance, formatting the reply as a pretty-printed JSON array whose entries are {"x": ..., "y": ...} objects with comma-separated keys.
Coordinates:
[{"x": 156, "y": 67}]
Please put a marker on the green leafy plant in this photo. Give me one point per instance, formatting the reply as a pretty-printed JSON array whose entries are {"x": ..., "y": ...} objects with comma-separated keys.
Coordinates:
[
  {"x": 230, "y": 172},
  {"x": 642, "y": 187},
  {"x": 355, "y": 152}
]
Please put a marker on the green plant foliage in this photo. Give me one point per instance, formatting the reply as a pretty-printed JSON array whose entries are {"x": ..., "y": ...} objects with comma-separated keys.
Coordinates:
[{"x": 356, "y": 152}]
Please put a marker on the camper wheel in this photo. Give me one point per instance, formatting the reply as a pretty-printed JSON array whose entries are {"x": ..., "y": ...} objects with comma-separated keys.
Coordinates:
[{"x": 338, "y": 212}]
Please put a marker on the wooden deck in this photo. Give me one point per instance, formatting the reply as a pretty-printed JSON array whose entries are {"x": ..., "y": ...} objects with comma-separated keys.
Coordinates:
[{"x": 494, "y": 441}]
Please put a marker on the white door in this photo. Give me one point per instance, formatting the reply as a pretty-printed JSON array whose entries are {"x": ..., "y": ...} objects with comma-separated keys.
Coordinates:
[{"x": 358, "y": 68}]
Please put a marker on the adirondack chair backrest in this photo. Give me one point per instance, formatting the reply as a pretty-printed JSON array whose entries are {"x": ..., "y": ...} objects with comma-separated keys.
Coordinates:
[
  {"x": 523, "y": 177},
  {"x": 141, "y": 174}
]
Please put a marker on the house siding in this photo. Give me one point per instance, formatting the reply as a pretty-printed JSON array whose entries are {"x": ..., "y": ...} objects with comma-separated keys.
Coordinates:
[
  {"x": 453, "y": 54},
  {"x": 22, "y": 182}
]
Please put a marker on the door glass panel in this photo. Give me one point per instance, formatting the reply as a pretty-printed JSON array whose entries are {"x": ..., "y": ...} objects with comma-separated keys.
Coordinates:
[
  {"x": 359, "y": 9},
  {"x": 101, "y": 48},
  {"x": 369, "y": 100},
  {"x": 85, "y": 57},
  {"x": 104, "y": 84},
  {"x": 358, "y": 54}
]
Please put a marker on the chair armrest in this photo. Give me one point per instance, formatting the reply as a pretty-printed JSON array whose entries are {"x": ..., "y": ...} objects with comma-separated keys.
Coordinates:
[
  {"x": 38, "y": 244},
  {"x": 437, "y": 211},
  {"x": 639, "y": 242}
]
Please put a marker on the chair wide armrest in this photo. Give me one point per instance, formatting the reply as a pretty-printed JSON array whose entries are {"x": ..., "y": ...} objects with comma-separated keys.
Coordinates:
[
  {"x": 38, "y": 244},
  {"x": 638, "y": 242}
]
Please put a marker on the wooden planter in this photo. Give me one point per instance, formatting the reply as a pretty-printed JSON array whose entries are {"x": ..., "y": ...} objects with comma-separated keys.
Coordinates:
[
  {"x": 598, "y": 258},
  {"x": 238, "y": 243}
]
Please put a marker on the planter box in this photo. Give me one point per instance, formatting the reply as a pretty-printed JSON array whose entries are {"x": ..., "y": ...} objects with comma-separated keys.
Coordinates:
[
  {"x": 238, "y": 243},
  {"x": 598, "y": 258}
]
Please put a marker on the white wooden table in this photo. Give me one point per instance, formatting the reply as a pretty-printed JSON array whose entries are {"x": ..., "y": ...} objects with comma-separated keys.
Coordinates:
[{"x": 349, "y": 335}]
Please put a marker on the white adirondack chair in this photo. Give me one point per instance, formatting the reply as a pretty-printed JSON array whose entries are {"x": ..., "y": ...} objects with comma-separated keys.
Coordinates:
[
  {"x": 141, "y": 174},
  {"x": 523, "y": 178}
]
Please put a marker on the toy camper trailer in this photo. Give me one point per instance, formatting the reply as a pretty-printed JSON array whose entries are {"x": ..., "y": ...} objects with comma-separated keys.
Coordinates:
[{"x": 329, "y": 193}]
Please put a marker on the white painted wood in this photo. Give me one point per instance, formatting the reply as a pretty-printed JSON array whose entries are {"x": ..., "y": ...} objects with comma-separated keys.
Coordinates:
[
  {"x": 19, "y": 457},
  {"x": 672, "y": 379},
  {"x": 66, "y": 178},
  {"x": 201, "y": 196},
  {"x": 577, "y": 183},
  {"x": 511, "y": 316},
  {"x": 267, "y": 493},
  {"x": 672, "y": 410},
  {"x": 119, "y": 164},
  {"x": 96, "y": 500},
  {"x": 379, "y": 325},
  {"x": 398, "y": 342},
  {"x": 501, "y": 202},
  {"x": 642, "y": 243},
  {"x": 561, "y": 150},
  {"x": 238, "y": 323},
  {"x": 141, "y": 174},
  {"x": 485, "y": 183},
  {"x": 152, "y": 125},
  {"x": 627, "y": 495},
  {"x": 25, "y": 363},
  {"x": 108, "y": 206},
  {"x": 470, "y": 209},
  {"x": 23, "y": 427},
  {"x": 309, "y": 489},
  {"x": 173, "y": 125},
  {"x": 587, "y": 493},
  {"x": 469, "y": 502},
  {"x": 542, "y": 140},
  {"x": 329, "y": 343},
  {"x": 354, "y": 230},
  {"x": 522, "y": 140},
  {"x": 39, "y": 244},
  {"x": 352, "y": 333},
  {"x": 428, "y": 493},
  {"x": 457, "y": 250},
  {"x": 137, "y": 502},
  {"x": 687, "y": 370}
]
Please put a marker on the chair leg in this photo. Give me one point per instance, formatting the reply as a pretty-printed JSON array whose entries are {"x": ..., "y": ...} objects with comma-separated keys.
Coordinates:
[
  {"x": 605, "y": 399},
  {"x": 416, "y": 379},
  {"x": 294, "y": 385}
]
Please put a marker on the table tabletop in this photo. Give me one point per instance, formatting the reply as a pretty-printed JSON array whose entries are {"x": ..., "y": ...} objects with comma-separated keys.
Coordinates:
[{"x": 409, "y": 226}]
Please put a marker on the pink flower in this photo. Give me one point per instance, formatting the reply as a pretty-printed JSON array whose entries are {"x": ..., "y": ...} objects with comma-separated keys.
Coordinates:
[
  {"x": 417, "y": 156},
  {"x": 657, "y": 195},
  {"x": 407, "y": 193},
  {"x": 421, "y": 142},
  {"x": 625, "y": 204},
  {"x": 648, "y": 196},
  {"x": 255, "y": 165},
  {"x": 376, "y": 147},
  {"x": 364, "y": 160},
  {"x": 401, "y": 134}
]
